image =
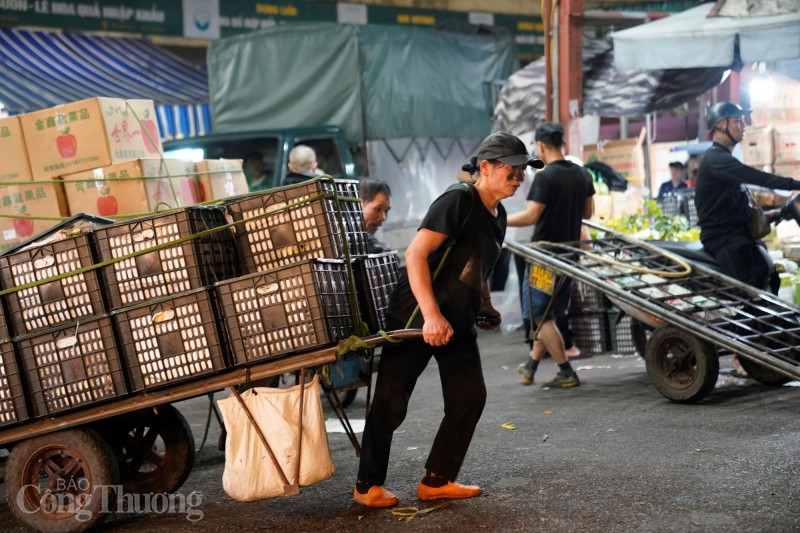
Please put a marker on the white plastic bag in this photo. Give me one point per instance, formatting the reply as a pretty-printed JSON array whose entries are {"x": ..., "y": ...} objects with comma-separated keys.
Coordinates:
[{"x": 249, "y": 471}]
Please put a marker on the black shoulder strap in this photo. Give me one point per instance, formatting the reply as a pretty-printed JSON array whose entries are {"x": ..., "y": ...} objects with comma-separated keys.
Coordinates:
[{"x": 471, "y": 189}]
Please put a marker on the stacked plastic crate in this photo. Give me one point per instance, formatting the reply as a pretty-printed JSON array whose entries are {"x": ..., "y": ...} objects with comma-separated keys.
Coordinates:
[
  {"x": 376, "y": 276},
  {"x": 62, "y": 330},
  {"x": 294, "y": 295},
  {"x": 621, "y": 332},
  {"x": 161, "y": 300},
  {"x": 588, "y": 319}
]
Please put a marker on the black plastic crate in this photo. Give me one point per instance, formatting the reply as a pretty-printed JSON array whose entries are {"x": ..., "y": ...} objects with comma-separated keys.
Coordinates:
[
  {"x": 274, "y": 235},
  {"x": 591, "y": 332},
  {"x": 184, "y": 267},
  {"x": 170, "y": 340},
  {"x": 376, "y": 275},
  {"x": 622, "y": 333},
  {"x": 585, "y": 298},
  {"x": 56, "y": 303},
  {"x": 287, "y": 309},
  {"x": 72, "y": 366},
  {"x": 12, "y": 397}
]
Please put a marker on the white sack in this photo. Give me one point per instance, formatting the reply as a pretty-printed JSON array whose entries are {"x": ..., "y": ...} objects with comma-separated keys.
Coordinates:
[{"x": 249, "y": 472}]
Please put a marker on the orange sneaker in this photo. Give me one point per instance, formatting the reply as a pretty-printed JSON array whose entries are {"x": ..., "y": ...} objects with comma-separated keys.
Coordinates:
[
  {"x": 376, "y": 496},
  {"x": 451, "y": 491}
]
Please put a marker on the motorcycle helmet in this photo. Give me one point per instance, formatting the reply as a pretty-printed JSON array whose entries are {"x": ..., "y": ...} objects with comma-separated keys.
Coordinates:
[{"x": 721, "y": 111}]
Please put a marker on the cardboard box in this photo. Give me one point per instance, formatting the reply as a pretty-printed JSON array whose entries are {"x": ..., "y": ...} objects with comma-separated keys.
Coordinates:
[
  {"x": 88, "y": 134},
  {"x": 787, "y": 170},
  {"x": 783, "y": 107},
  {"x": 787, "y": 143},
  {"x": 220, "y": 178},
  {"x": 95, "y": 191},
  {"x": 758, "y": 146},
  {"x": 626, "y": 203},
  {"x": 24, "y": 201},
  {"x": 603, "y": 206},
  {"x": 14, "y": 165},
  {"x": 170, "y": 183},
  {"x": 625, "y": 156}
]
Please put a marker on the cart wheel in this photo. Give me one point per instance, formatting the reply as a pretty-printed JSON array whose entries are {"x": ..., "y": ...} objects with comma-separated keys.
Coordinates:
[
  {"x": 154, "y": 450},
  {"x": 762, "y": 374},
  {"x": 62, "y": 481},
  {"x": 347, "y": 397},
  {"x": 639, "y": 333},
  {"x": 683, "y": 368}
]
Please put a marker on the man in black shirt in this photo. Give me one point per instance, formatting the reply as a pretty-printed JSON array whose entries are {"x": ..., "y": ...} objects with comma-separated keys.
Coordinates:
[
  {"x": 560, "y": 198},
  {"x": 470, "y": 221},
  {"x": 722, "y": 199}
]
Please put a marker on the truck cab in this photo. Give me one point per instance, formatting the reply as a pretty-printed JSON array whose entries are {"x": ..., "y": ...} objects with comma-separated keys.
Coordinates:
[{"x": 329, "y": 143}]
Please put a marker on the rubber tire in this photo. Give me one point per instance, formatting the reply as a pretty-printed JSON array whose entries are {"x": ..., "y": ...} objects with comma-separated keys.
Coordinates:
[
  {"x": 166, "y": 463},
  {"x": 348, "y": 397},
  {"x": 99, "y": 468},
  {"x": 684, "y": 368},
  {"x": 762, "y": 374},
  {"x": 639, "y": 334}
]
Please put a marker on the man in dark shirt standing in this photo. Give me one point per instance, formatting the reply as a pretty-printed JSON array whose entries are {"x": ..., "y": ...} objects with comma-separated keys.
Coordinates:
[
  {"x": 560, "y": 197},
  {"x": 722, "y": 199}
]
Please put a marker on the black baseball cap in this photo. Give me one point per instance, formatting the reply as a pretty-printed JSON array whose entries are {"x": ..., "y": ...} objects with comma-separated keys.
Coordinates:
[
  {"x": 508, "y": 149},
  {"x": 551, "y": 133}
]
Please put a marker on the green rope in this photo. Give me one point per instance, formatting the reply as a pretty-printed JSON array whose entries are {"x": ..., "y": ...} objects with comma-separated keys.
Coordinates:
[{"x": 351, "y": 344}]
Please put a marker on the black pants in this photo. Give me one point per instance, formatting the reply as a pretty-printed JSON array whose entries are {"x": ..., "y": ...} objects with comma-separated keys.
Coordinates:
[
  {"x": 464, "y": 393},
  {"x": 738, "y": 257}
]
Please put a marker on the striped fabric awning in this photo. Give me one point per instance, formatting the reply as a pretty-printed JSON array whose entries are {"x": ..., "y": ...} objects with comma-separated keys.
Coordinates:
[{"x": 43, "y": 69}]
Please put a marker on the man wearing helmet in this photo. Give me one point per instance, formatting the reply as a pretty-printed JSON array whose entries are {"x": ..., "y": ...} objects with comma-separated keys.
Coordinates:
[{"x": 722, "y": 199}]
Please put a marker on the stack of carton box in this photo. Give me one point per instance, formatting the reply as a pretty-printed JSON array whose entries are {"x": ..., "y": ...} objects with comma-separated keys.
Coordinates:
[
  {"x": 78, "y": 137},
  {"x": 20, "y": 197},
  {"x": 220, "y": 178},
  {"x": 773, "y": 140}
]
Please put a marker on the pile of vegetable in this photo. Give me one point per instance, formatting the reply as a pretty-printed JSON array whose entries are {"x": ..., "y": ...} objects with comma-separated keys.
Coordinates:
[{"x": 653, "y": 224}]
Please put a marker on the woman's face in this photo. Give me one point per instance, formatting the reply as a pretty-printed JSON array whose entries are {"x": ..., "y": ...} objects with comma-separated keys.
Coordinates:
[{"x": 503, "y": 178}]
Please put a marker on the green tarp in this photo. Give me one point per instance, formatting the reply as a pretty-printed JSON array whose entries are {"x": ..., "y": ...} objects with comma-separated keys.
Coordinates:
[{"x": 376, "y": 81}]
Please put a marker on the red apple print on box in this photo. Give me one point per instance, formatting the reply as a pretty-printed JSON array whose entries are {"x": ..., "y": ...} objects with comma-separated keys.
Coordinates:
[
  {"x": 149, "y": 133},
  {"x": 23, "y": 226},
  {"x": 66, "y": 143},
  {"x": 106, "y": 203}
]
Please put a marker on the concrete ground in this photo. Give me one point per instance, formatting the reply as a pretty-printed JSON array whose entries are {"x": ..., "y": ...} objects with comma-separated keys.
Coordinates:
[{"x": 612, "y": 456}]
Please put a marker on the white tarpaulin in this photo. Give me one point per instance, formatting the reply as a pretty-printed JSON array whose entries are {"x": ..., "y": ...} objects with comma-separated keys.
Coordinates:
[{"x": 692, "y": 39}]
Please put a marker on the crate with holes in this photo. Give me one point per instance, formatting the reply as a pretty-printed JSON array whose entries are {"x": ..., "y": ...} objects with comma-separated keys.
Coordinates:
[
  {"x": 52, "y": 304},
  {"x": 622, "y": 333},
  {"x": 170, "y": 340},
  {"x": 376, "y": 275},
  {"x": 170, "y": 269},
  {"x": 591, "y": 331},
  {"x": 287, "y": 309},
  {"x": 12, "y": 396},
  {"x": 71, "y": 366},
  {"x": 585, "y": 298},
  {"x": 283, "y": 226}
]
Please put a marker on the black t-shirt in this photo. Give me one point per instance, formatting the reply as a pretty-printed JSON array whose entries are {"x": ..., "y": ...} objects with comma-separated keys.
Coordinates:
[
  {"x": 459, "y": 286},
  {"x": 719, "y": 195},
  {"x": 563, "y": 187}
]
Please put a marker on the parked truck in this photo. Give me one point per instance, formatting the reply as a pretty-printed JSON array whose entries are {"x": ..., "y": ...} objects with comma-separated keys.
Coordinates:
[{"x": 329, "y": 142}]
